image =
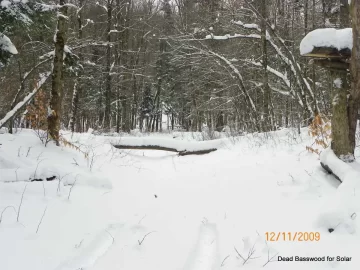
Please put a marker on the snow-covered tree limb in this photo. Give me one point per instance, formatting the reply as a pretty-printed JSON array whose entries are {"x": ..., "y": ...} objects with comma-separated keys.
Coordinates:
[{"x": 26, "y": 100}]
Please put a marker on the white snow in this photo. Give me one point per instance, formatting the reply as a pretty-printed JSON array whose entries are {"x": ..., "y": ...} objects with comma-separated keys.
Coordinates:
[
  {"x": 89, "y": 254},
  {"x": 205, "y": 254},
  {"x": 6, "y": 44},
  {"x": 228, "y": 36},
  {"x": 338, "y": 83},
  {"x": 187, "y": 212},
  {"x": 327, "y": 37},
  {"x": 5, "y": 3}
]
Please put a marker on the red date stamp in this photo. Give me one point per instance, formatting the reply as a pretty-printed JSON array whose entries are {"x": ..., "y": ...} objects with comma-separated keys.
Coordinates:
[{"x": 292, "y": 236}]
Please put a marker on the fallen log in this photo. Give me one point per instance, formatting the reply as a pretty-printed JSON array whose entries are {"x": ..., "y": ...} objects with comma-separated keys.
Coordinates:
[
  {"x": 162, "y": 148},
  {"x": 329, "y": 171},
  {"x": 51, "y": 178}
]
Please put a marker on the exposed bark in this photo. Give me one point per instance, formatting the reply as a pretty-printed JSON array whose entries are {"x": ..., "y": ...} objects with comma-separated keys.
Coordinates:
[
  {"x": 340, "y": 142},
  {"x": 354, "y": 99},
  {"x": 327, "y": 168}
]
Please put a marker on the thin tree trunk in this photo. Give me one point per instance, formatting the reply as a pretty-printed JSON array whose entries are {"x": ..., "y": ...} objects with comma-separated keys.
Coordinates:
[
  {"x": 107, "y": 114},
  {"x": 354, "y": 99},
  {"x": 57, "y": 75},
  {"x": 77, "y": 85},
  {"x": 268, "y": 119}
]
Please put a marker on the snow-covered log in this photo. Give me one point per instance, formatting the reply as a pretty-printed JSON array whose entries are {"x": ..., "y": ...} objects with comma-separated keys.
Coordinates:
[
  {"x": 340, "y": 210},
  {"x": 341, "y": 169},
  {"x": 183, "y": 148}
]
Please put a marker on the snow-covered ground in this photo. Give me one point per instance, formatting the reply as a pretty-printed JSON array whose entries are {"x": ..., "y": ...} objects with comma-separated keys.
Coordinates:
[{"x": 132, "y": 210}]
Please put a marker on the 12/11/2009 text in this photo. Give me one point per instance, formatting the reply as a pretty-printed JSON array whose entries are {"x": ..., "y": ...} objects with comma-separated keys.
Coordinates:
[{"x": 292, "y": 236}]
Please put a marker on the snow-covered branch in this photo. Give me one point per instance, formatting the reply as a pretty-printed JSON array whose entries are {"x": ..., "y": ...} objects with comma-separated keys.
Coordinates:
[
  {"x": 26, "y": 100},
  {"x": 232, "y": 36}
]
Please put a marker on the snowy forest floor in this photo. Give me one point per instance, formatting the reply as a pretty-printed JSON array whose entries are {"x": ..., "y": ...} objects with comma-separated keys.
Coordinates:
[{"x": 132, "y": 209}]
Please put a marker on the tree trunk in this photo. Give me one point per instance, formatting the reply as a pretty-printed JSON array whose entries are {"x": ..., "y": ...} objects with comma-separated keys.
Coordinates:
[
  {"x": 77, "y": 84},
  {"x": 354, "y": 99},
  {"x": 268, "y": 119},
  {"x": 108, "y": 69},
  {"x": 57, "y": 75},
  {"x": 340, "y": 143}
]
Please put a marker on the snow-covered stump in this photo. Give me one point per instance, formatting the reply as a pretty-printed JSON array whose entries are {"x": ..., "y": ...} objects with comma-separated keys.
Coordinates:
[{"x": 340, "y": 211}]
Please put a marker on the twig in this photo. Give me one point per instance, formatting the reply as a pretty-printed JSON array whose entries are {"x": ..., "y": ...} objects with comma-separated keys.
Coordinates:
[
  {"x": 75, "y": 162},
  {"x": 308, "y": 173},
  {"x": 22, "y": 197},
  {"x": 250, "y": 254},
  {"x": 19, "y": 150},
  {"x": 28, "y": 151},
  {"x": 41, "y": 220},
  {"x": 72, "y": 186},
  {"x": 222, "y": 264},
  {"x": 10, "y": 206},
  {"x": 79, "y": 245},
  {"x": 292, "y": 177},
  {"x": 238, "y": 253},
  {"x": 17, "y": 174},
  {"x": 268, "y": 251},
  {"x": 60, "y": 178},
  {"x": 37, "y": 167},
  {"x": 111, "y": 236},
  {"x": 44, "y": 188},
  {"x": 270, "y": 259},
  {"x": 140, "y": 242},
  {"x": 141, "y": 219},
  {"x": 38, "y": 157}
]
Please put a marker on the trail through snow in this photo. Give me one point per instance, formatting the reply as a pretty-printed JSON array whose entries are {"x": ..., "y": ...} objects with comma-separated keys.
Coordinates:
[
  {"x": 205, "y": 255},
  {"x": 90, "y": 253}
]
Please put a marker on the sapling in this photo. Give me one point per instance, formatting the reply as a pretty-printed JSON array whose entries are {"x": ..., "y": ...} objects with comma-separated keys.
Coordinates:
[
  {"x": 22, "y": 197},
  {"x": 250, "y": 255},
  {"x": 72, "y": 186},
  {"x": 140, "y": 242},
  {"x": 223, "y": 262},
  {"x": 7, "y": 207},
  {"x": 42, "y": 217}
]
